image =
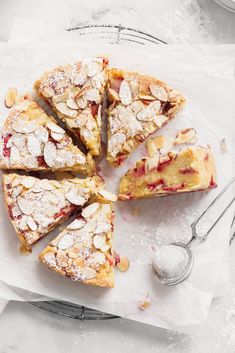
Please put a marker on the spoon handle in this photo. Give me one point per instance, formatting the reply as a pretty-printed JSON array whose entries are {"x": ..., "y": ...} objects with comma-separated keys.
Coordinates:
[{"x": 214, "y": 212}]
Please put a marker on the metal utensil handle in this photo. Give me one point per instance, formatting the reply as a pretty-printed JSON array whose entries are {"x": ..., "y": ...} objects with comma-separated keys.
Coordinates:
[{"x": 214, "y": 212}]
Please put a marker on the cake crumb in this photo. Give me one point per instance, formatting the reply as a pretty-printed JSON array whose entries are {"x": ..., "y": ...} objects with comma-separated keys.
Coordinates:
[{"x": 144, "y": 303}]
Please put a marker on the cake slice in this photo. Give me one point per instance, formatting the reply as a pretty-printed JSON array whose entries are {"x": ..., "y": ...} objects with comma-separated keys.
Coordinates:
[
  {"x": 191, "y": 169},
  {"x": 139, "y": 106},
  {"x": 36, "y": 206},
  {"x": 82, "y": 251},
  {"x": 32, "y": 140},
  {"x": 75, "y": 92}
]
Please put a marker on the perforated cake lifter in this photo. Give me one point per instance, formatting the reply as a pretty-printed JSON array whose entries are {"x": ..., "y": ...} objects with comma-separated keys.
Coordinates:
[{"x": 201, "y": 228}]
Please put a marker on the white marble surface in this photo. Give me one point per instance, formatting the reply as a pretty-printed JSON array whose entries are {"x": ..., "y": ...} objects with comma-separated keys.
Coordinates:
[{"x": 23, "y": 327}]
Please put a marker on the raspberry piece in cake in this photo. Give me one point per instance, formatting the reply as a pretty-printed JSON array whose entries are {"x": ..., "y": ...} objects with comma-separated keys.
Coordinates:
[
  {"x": 82, "y": 251},
  {"x": 36, "y": 206},
  {"x": 75, "y": 92},
  {"x": 139, "y": 106},
  {"x": 191, "y": 169},
  {"x": 32, "y": 140}
]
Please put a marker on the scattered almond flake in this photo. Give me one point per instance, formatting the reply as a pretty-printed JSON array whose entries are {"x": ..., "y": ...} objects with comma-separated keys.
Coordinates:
[
  {"x": 66, "y": 242},
  {"x": 113, "y": 94},
  {"x": 167, "y": 147},
  {"x": 223, "y": 146},
  {"x": 10, "y": 97},
  {"x": 160, "y": 120},
  {"x": 15, "y": 155},
  {"x": 90, "y": 210},
  {"x": 23, "y": 223},
  {"x": 151, "y": 147},
  {"x": 123, "y": 264},
  {"x": 28, "y": 182},
  {"x": 108, "y": 195},
  {"x": 32, "y": 224},
  {"x": 50, "y": 153},
  {"x": 64, "y": 109},
  {"x": 76, "y": 199},
  {"x": 50, "y": 259},
  {"x": 152, "y": 162},
  {"x": 89, "y": 273},
  {"x": 98, "y": 257},
  {"x": 158, "y": 92},
  {"x": 34, "y": 145},
  {"x": 144, "y": 303},
  {"x": 47, "y": 92},
  {"x": 25, "y": 206},
  {"x": 99, "y": 240},
  {"x": 125, "y": 93},
  {"x": 60, "y": 97},
  {"x": 76, "y": 224},
  {"x": 71, "y": 103},
  {"x": 22, "y": 106},
  {"x": 57, "y": 137},
  {"x": 42, "y": 134},
  {"x": 185, "y": 136},
  {"x": 93, "y": 68},
  {"x": 23, "y": 126},
  {"x": 16, "y": 211}
]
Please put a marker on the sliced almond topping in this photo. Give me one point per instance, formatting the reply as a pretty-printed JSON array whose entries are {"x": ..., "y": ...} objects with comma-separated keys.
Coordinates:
[
  {"x": 152, "y": 162},
  {"x": 93, "y": 68},
  {"x": 74, "y": 198},
  {"x": 50, "y": 259},
  {"x": 123, "y": 265},
  {"x": 60, "y": 98},
  {"x": 81, "y": 102},
  {"x": 10, "y": 97},
  {"x": 71, "y": 103},
  {"x": 105, "y": 248},
  {"x": 46, "y": 185},
  {"x": 66, "y": 242},
  {"x": 146, "y": 97},
  {"x": 32, "y": 224},
  {"x": 50, "y": 153},
  {"x": 185, "y": 136},
  {"x": 99, "y": 257},
  {"x": 34, "y": 145},
  {"x": 90, "y": 210},
  {"x": 64, "y": 109},
  {"x": 47, "y": 92},
  {"x": 89, "y": 272},
  {"x": 23, "y": 126},
  {"x": 113, "y": 94},
  {"x": 79, "y": 78},
  {"x": 158, "y": 92},
  {"x": 108, "y": 195},
  {"x": 99, "y": 240},
  {"x": 27, "y": 182},
  {"x": 77, "y": 224},
  {"x": 160, "y": 120},
  {"x": 93, "y": 95},
  {"x": 25, "y": 206},
  {"x": 57, "y": 137},
  {"x": 42, "y": 134},
  {"x": 55, "y": 128},
  {"x": 125, "y": 93}
]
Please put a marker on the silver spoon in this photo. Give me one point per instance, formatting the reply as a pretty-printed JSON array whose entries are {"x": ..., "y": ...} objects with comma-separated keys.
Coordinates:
[{"x": 200, "y": 231}]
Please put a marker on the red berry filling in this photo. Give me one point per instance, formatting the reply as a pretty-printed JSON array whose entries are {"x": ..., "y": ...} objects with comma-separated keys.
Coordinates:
[
  {"x": 94, "y": 109},
  {"x": 64, "y": 211},
  {"x": 120, "y": 158},
  {"x": 212, "y": 183},
  {"x": 6, "y": 150},
  {"x": 162, "y": 165},
  {"x": 153, "y": 186},
  {"x": 139, "y": 171},
  {"x": 188, "y": 170},
  {"x": 41, "y": 161},
  {"x": 174, "y": 187}
]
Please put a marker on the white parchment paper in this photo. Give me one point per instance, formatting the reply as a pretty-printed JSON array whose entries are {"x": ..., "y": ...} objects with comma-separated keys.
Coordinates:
[{"x": 204, "y": 76}]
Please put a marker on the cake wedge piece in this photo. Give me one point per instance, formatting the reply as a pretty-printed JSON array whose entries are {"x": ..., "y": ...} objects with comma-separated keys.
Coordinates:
[
  {"x": 139, "y": 105},
  {"x": 76, "y": 92},
  {"x": 36, "y": 206},
  {"x": 190, "y": 169},
  {"x": 83, "y": 251},
  {"x": 32, "y": 140}
]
